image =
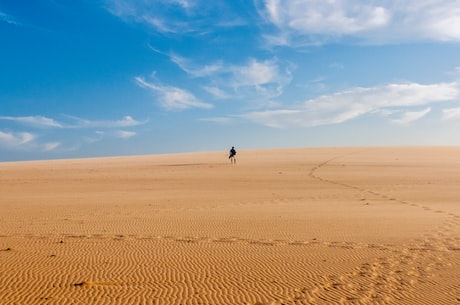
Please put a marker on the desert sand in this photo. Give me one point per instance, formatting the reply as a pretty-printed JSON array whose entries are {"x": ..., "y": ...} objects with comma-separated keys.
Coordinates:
[{"x": 319, "y": 226}]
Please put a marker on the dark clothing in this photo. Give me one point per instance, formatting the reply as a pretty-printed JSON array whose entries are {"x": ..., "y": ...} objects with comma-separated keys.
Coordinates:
[{"x": 232, "y": 153}]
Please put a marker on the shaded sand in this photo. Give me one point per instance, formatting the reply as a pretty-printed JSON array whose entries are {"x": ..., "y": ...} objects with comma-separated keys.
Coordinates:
[{"x": 294, "y": 226}]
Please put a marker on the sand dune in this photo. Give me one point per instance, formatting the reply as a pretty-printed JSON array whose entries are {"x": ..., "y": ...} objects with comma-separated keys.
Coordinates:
[{"x": 293, "y": 226}]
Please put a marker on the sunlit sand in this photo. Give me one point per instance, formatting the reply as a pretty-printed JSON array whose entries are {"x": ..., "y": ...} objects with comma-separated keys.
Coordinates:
[{"x": 292, "y": 226}]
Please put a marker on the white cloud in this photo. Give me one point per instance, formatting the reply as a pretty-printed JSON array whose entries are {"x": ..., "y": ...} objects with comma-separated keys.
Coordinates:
[
  {"x": 411, "y": 116},
  {"x": 346, "y": 105},
  {"x": 94, "y": 138},
  {"x": 123, "y": 134},
  {"x": 177, "y": 16},
  {"x": 160, "y": 24},
  {"x": 184, "y": 3},
  {"x": 173, "y": 98},
  {"x": 44, "y": 122},
  {"x": 16, "y": 139},
  {"x": 196, "y": 71},
  {"x": 151, "y": 14},
  {"x": 256, "y": 73},
  {"x": 25, "y": 141},
  {"x": 317, "y": 21},
  {"x": 35, "y": 121},
  {"x": 127, "y": 121},
  {"x": 332, "y": 18},
  {"x": 85, "y": 123},
  {"x": 253, "y": 73},
  {"x": 8, "y": 19},
  {"x": 217, "y": 92},
  {"x": 262, "y": 79},
  {"x": 51, "y": 146},
  {"x": 451, "y": 114},
  {"x": 434, "y": 19}
]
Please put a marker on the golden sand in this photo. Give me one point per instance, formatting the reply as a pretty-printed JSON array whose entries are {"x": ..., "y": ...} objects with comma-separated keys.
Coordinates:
[{"x": 293, "y": 226}]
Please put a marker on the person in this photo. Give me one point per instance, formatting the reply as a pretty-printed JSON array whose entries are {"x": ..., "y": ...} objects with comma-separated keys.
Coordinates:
[{"x": 232, "y": 155}]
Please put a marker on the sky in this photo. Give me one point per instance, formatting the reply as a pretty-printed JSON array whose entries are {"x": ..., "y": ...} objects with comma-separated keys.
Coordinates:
[{"x": 94, "y": 78}]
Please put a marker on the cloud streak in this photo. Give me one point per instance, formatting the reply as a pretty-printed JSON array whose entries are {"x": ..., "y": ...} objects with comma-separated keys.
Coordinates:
[
  {"x": 25, "y": 141},
  {"x": 177, "y": 16},
  {"x": 37, "y": 121},
  {"x": 28, "y": 141},
  {"x": 77, "y": 122},
  {"x": 16, "y": 139},
  {"x": 124, "y": 134},
  {"x": 196, "y": 71},
  {"x": 412, "y": 116},
  {"x": 355, "y": 102},
  {"x": 317, "y": 22},
  {"x": 51, "y": 146},
  {"x": 259, "y": 79},
  {"x": 9, "y": 19},
  {"x": 451, "y": 114},
  {"x": 172, "y": 98}
]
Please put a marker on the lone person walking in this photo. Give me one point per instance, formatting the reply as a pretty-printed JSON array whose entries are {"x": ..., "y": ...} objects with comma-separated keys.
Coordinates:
[{"x": 232, "y": 155}]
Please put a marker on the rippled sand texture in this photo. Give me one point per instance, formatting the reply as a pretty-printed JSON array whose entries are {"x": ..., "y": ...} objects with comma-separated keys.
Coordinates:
[{"x": 295, "y": 226}]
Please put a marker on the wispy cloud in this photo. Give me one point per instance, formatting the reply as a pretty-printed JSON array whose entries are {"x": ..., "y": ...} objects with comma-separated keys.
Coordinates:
[
  {"x": 451, "y": 113},
  {"x": 259, "y": 80},
  {"x": 263, "y": 79},
  {"x": 25, "y": 141},
  {"x": 124, "y": 134},
  {"x": 253, "y": 73},
  {"x": 9, "y": 19},
  {"x": 177, "y": 16},
  {"x": 355, "y": 102},
  {"x": 256, "y": 73},
  {"x": 316, "y": 21},
  {"x": 95, "y": 137},
  {"x": 127, "y": 121},
  {"x": 51, "y": 146},
  {"x": 217, "y": 92},
  {"x": 35, "y": 121},
  {"x": 198, "y": 71},
  {"x": 28, "y": 141},
  {"x": 39, "y": 121},
  {"x": 337, "y": 16},
  {"x": 411, "y": 116},
  {"x": 16, "y": 139},
  {"x": 77, "y": 122},
  {"x": 151, "y": 14},
  {"x": 173, "y": 98}
]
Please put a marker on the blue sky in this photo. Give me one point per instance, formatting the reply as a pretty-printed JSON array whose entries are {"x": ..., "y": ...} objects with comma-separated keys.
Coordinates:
[{"x": 87, "y": 78}]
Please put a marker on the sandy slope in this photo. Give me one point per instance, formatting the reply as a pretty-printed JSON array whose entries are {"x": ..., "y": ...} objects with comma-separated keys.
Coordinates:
[{"x": 295, "y": 226}]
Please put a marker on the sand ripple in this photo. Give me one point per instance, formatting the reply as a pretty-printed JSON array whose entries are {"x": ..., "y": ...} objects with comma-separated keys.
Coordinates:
[{"x": 312, "y": 226}]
